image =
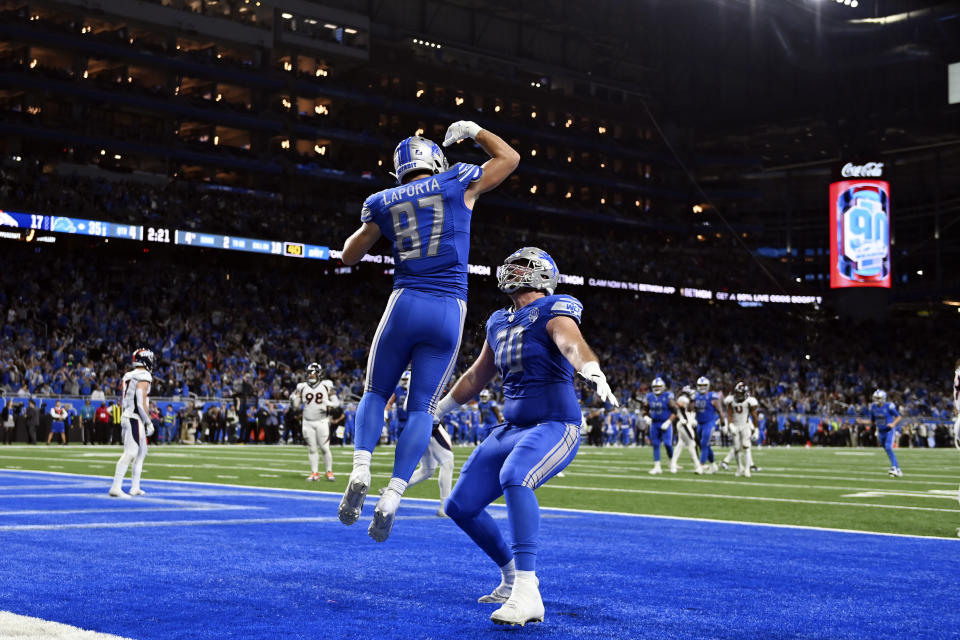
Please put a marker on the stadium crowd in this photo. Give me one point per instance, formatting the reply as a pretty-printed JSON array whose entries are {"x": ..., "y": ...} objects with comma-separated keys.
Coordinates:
[{"x": 245, "y": 332}]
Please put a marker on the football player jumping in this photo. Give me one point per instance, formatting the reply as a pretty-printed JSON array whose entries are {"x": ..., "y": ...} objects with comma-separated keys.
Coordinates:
[
  {"x": 426, "y": 219},
  {"x": 535, "y": 345},
  {"x": 317, "y": 398}
]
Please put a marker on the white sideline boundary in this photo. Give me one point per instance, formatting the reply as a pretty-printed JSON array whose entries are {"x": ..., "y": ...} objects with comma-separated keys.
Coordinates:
[
  {"x": 13, "y": 625},
  {"x": 651, "y": 516}
]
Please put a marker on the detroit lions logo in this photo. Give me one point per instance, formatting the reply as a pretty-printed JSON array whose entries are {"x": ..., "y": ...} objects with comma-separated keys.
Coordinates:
[{"x": 534, "y": 314}]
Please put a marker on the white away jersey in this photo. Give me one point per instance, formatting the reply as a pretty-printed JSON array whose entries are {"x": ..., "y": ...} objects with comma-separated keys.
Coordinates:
[
  {"x": 956, "y": 390},
  {"x": 129, "y": 391},
  {"x": 741, "y": 410},
  {"x": 316, "y": 400}
]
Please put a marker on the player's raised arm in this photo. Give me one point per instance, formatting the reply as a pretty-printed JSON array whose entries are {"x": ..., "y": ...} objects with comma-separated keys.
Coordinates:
[
  {"x": 471, "y": 383},
  {"x": 359, "y": 243},
  {"x": 565, "y": 333},
  {"x": 503, "y": 158}
]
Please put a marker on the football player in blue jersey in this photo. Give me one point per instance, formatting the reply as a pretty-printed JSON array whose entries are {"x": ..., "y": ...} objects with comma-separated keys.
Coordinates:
[
  {"x": 662, "y": 409},
  {"x": 426, "y": 219},
  {"x": 536, "y": 346},
  {"x": 709, "y": 409},
  {"x": 490, "y": 415},
  {"x": 396, "y": 410},
  {"x": 886, "y": 417}
]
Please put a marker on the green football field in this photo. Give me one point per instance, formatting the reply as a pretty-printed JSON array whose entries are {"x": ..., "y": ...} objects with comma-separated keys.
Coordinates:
[{"x": 835, "y": 488}]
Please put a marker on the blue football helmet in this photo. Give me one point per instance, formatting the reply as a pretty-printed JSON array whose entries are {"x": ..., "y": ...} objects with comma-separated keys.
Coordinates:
[
  {"x": 879, "y": 395},
  {"x": 703, "y": 384},
  {"x": 528, "y": 268},
  {"x": 417, "y": 154},
  {"x": 658, "y": 386}
]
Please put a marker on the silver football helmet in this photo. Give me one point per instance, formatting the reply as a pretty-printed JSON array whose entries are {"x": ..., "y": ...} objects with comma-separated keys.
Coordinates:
[
  {"x": 416, "y": 153},
  {"x": 658, "y": 386},
  {"x": 405, "y": 379},
  {"x": 531, "y": 268},
  {"x": 879, "y": 395},
  {"x": 703, "y": 384},
  {"x": 484, "y": 395}
]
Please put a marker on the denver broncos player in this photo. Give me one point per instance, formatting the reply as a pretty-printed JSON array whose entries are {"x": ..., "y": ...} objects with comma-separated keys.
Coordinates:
[
  {"x": 317, "y": 398},
  {"x": 426, "y": 219},
  {"x": 135, "y": 422},
  {"x": 662, "y": 408},
  {"x": 535, "y": 345},
  {"x": 886, "y": 417},
  {"x": 956, "y": 404},
  {"x": 686, "y": 431},
  {"x": 741, "y": 409}
]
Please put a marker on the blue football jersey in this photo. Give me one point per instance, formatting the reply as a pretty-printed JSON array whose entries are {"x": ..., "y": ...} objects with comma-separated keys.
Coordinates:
[
  {"x": 487, "y": 416},
  {"x": 537, "y": 379},
  {"x": 428, "y": 225},
  {"x": 883, "y": 414},
  {"x": 706, "y": 412},
  {"x": 401, "y": 402},
  {"x": 659, "y": 405}
]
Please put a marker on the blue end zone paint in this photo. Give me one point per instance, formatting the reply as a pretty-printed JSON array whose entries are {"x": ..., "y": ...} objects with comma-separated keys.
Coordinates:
[{"x": 221, "y": 562}]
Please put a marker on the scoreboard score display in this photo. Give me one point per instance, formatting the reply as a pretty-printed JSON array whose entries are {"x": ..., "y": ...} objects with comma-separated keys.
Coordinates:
[{"x": 860, "y": 228}]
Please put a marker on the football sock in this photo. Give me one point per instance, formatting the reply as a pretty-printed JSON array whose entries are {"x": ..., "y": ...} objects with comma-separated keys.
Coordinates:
[
  {"x": 749, "y": 455},
  {"x": 397, "y": 485},
  {"x": 135, "y": 473},
  {"x": 327, "y": 460},
  {"x": 445, "y": 479},
  {"x": 314, "y": 459},
  {"x": 122, "y": 464},
  {"x": 412, "y": 444},
  {"x": 361, "y": 458},
  {"x": 369, "y": 421},
  {"x": 524, "y": 513},
  {"x": 508, "y": 572}
]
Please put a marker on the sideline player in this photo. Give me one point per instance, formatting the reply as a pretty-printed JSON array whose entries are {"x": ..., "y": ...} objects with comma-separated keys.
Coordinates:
[
  {"x": 439, "y": 453},
  {"x": 536, "y": 346},
  {"x": 395, "y": 413},
  {"x": 426, "y": 219},
  {"x": 709, "y": 410},
  {"x": 317, "y": 398},
  {"x": 662, "y": 409},
  {"x": 956, "y": 404},
  {"x": 741, "y": 408},
  {"x": 135, "y": 422},
  {"x": 686, "y": 431},
  {"x": 886, "y": 417}
]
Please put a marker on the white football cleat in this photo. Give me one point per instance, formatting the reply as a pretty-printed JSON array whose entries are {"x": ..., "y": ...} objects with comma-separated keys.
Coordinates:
[
  {"x": 895, "y": 472},
  {"x": 739, "y": 472},
  {"x": 746, "y": 473},
  {"x": 656, "y": 471},
  {"x": 352, "y": 503},
  {"x": 673, "y": 468},
  {"x": 118, "y": 493},
  {"x": 313, "y": 477},
  {"x": 524, "y": 604},
  {"x": 137, "y": 492},
  {"x": 724, "y": 466},
  {"x": 441, "y": 513},
  {"x": 384, "y": 515},
  {"x": 499, "y": 595}
]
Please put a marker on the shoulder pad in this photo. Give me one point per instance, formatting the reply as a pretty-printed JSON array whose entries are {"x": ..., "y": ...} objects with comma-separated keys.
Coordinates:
[
  {"x": 728, "y": 399},
  {"x": 366, "y": 212},
  {"x": 564, "y": 305},
  {"x": 467, "y": 173}
]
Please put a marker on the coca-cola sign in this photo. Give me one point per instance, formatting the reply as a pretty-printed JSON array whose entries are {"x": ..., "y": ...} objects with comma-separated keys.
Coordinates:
[{"x": 868, "y": 170}]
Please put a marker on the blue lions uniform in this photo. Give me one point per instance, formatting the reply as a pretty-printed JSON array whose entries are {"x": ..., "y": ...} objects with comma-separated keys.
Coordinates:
[
  {"x": 539, "y": 438},
  {"x": 349, "y": 417},
  {"x": 488, "y": 418},
  {"x": 883, "y": 414},
  {"x": 428, "y": 226},
  {"x": 659, "y": 406},
  {"x": 706, "y": 422}
]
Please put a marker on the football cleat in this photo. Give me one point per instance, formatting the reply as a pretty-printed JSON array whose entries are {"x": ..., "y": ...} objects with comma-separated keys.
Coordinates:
[
  {"x": 739, "y": 473},
  {"x": 655, "y": 471},
  {"x": 746, "y": 473},
  {"x": 724, "y": 466},
  {"x": 499, "y": 595},
  {"x": 895, "y": 472},
  {"x": 441, "y": 513},
  {"x": 137, "y": 492},
  {"x": 523, "y": 606},
  {"x": 673, "y": 468},
  {"x": 313, "y": 477},
  {"x": 384, "y": 515},
  {"x": 352, "y": 503},
  {"x": 330, "y": 476},
  {"x": 118, "y": 493},
  {"x": 699, "y": 471}
]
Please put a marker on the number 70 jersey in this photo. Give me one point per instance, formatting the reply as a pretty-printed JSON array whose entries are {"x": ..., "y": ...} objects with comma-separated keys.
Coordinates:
[
  {"x": 537, "y": 379},
  {"x": 428, "y": 224}
]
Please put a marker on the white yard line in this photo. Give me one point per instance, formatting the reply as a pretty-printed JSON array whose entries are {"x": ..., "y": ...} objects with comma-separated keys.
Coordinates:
[
  {"x": 179, "y": 523},
  {"x": 17, "y": 626}
]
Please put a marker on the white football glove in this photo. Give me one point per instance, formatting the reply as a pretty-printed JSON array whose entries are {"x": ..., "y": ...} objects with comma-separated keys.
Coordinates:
[
  {"x": 149, "y": 429},
  {"x": 461, "y": 130},
  {"x": 666, "y": 425},
  {"x": 594, "y": 377}
]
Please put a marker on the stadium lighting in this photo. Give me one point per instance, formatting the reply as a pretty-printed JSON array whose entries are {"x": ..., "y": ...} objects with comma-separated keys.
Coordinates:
[
  {"x": 33, "y": 63},
  {"x": 568, "y": 123},
  {"x": 216, "y": 140},
  {"x": 286, "y": 16},
  {"x": 533, "y": 114},
  {"x": 919, "y": 272},
  {"x": 320, "y": 150},
  {"x": 568, "y": 195},
  {"x": 103, "y": 152},
  {"x": 797, "y": 279},
  {"x": 496, "y": 109},
  {"x": 603, "y": 201},
  {"x": 636, "y": 203},
  {"x": 116, "y": 156},
  {"x": 458, "y": 100},
  {"x": 419, "y": 93},
  {"x": 419, "y": 132},
  {"x": 329, "y": 25},
  {"x": 533, "y": 189},
  {"x": 351, "y": 31},
  {"x": 601, "y": 130},
  {"x": 697, "y": 208},
  {"x": 533, "y": 152}
]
